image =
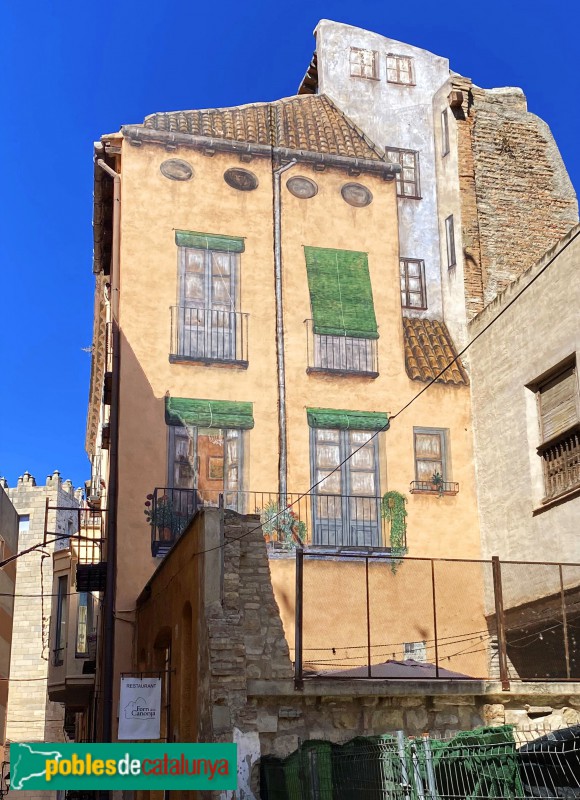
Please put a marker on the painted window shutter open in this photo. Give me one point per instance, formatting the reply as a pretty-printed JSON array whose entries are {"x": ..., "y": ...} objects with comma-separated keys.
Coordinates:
[
  {"x": 340, "y": 293},
  {"x": 558, "y": 404},
  {"x": 184, "y": 412},
  {"x": 209, "y": 241}
]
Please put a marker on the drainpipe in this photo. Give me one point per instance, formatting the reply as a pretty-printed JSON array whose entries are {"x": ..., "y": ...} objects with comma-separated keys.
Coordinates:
[
  {"x": 111, "y": 525},
  {"x": 281, "y": 369}
]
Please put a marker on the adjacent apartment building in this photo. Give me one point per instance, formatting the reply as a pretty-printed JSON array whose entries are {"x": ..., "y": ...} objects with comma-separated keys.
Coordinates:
[{"x": 274, "y": 284}]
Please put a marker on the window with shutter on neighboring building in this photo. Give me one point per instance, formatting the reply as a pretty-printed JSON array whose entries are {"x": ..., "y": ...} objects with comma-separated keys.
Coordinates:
[{"x": 559, "y": 419}]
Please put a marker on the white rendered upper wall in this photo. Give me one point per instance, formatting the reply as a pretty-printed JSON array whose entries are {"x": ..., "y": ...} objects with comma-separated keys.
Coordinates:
[{"x": 393, "y": 115}]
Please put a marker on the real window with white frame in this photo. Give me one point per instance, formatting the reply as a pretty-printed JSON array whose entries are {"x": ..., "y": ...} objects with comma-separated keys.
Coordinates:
[
  {"x": 364, "y": 63},
  {"x": 450, "y": 240},
  {"x": 558, "y": 399},
  {"x": 85, "y": 623},
  {"x": 444, "y": 132},
  {"x": 408, "y": 178},
  {"x": 400, "y": 70},
  {"x": 413, "y": 289},
  {"x": 23, "y": 523}
]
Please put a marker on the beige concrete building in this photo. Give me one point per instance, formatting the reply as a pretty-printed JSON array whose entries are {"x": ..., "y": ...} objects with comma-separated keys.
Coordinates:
[{"x": 526, "y": 411}]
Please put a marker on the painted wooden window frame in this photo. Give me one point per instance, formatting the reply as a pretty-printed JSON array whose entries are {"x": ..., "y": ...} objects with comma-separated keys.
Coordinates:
[
  {"x": 445, "y": 459},
  {"x": 211, "y": 316},
  {"x": 402, "y": 77},
  {"x": 356, "y": 60},
  {"x": 397, "y": 155},
  {"x": 192, "y": 433},
  {"x": 450, "y": 241},
  {"x": 354, "y": 509},
  {"x": 406, "y": 292}
]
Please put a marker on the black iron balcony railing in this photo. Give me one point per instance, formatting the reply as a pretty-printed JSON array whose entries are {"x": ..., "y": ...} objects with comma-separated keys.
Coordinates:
[
  {"x": 562, "y": 466},
  {"x": 434, "y": 487},
  {"x": 340, "y": 522},
  {"x": 342, "y": 355},
  {"x": 208, "y": 335}
]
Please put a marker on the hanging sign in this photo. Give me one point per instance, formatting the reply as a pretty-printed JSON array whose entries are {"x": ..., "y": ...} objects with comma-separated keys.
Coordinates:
[{"x": 140, "y": 708}]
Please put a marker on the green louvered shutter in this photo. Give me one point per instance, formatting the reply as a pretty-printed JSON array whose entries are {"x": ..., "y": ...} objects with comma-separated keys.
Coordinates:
[
  {"x": 209, "y": 241},
  {"x": 184, "y": 411},
  {"x": 338, "y": 419},
  {"x": 340, "y": 293}
]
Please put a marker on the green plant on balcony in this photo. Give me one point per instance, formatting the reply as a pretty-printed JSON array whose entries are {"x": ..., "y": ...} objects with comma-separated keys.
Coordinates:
[
  {"x": 282, "y": 525},
  {"x": 163, "y": 516},
  {"x": 394, "y": 511}
]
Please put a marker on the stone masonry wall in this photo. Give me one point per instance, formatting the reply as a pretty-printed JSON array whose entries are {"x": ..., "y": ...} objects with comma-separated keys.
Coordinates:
[
  {"x": 31, "y": 716},
  {"x": 252, "y": 699},
  {"x": 517, "y": 198}
]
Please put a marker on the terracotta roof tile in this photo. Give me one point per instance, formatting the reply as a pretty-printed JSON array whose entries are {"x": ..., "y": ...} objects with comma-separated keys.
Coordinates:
[
  {"x": 306, "y": 122},
  {"x": 428, "y": 350}
]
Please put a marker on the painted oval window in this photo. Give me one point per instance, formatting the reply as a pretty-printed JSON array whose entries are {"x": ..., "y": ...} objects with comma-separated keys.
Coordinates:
[
  {"x": 301, "y": 187},
  {"x": 241, "y": 179},
  {"x": 176, "y": 170},
  {"x": 355, "y": 194}
]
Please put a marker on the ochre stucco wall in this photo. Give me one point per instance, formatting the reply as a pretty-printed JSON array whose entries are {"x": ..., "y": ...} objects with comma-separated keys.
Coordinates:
[{"x": 148, "y": 287}]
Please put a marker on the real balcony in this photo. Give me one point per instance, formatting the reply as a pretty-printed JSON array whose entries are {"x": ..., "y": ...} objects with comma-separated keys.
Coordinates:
[
  {"x": 331, "y": 522},
  {"x": 341, "y": 355},
  {"x": 209, "y": 336},
  {"x": 73, "y": 643}
]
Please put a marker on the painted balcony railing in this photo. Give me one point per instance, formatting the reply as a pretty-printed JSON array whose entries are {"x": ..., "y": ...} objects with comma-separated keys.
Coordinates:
[
  {"x": 434, "y": 487},
  {"x": 207, "y": 335},
  {"x": 342, "y": 355},
  {"x": 562, "y": 466},
  {"x": 340, "y": 522}
]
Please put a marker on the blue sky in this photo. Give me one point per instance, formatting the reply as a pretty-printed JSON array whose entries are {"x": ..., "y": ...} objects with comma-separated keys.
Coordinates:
[{"x": 72, "y": 71}]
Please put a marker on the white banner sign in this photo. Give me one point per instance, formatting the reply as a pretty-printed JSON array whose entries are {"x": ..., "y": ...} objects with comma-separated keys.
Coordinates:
[{"x": 140, "y": 708}]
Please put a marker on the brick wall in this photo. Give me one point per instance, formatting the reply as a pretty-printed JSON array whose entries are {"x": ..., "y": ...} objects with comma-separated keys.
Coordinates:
[{"x": 516, "y": 197}]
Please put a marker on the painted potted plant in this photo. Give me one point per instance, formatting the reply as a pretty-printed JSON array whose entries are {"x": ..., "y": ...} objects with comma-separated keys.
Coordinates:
[
  {"x": 282, "y": 526},
  {"x": 163, "y": 516},
  {"x": 438, "y": 483}
]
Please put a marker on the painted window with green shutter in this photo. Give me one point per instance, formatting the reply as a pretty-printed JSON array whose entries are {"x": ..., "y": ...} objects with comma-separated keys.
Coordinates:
[{"x": 343, "y": 331}]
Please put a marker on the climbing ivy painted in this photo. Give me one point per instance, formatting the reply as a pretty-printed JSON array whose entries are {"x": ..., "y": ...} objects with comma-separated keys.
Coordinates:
[{"x": 395, "y": 513}]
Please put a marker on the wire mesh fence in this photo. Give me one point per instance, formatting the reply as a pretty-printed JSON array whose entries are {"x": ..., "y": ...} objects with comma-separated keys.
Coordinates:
[
  {"x": 483, "y": 763},
  {"x": 372, "y": 616}
]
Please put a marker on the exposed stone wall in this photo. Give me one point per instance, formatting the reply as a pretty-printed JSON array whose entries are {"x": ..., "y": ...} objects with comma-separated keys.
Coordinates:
[
  {"x": 31, "y": 716},
  {"x": 517, "y": 198}
]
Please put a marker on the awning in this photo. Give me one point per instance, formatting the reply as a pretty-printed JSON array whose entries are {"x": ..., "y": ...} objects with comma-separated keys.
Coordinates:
[
  {"x": 340, "y": 293},
  {"x": 352, "y": 420},
  {"x": 183, "y": 411},
  {"x": 209, "y": 241}
]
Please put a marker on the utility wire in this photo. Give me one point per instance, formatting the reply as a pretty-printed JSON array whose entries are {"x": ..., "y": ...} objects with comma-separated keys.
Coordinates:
[{"x": 408, "y": 404}]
